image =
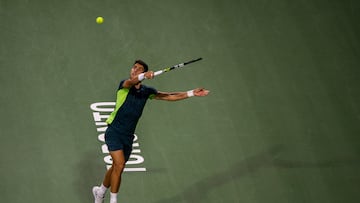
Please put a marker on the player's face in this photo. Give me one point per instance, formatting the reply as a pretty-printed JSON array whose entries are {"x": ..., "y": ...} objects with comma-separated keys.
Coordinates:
[{"x": 136, "y": 70}]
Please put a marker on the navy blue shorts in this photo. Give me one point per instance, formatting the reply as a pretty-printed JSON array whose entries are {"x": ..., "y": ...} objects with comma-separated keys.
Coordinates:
[{"x": 115, "y": 140}]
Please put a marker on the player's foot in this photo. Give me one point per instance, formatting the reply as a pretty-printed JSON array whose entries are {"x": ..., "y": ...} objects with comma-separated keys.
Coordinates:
[{"x": 98, "y": 198}]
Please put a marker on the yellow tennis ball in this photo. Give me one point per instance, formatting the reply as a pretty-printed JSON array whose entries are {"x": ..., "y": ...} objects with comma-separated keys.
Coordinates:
[{"x": 99, "y": 20}]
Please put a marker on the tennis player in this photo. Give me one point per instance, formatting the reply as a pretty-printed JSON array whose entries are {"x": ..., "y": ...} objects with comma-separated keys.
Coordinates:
[{"x": 130, "y": 102}]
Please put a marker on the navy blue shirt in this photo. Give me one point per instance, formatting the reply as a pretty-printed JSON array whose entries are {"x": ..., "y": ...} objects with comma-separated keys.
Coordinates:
[{"x": 129, "y": 107}]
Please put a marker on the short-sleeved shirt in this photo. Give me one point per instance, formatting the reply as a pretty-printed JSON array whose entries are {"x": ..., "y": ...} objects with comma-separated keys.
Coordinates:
[{"x": 129, "y": 107}]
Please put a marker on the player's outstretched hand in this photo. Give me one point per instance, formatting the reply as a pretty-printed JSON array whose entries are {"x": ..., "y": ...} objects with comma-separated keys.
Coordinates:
[{"x": 201, "y": 92}]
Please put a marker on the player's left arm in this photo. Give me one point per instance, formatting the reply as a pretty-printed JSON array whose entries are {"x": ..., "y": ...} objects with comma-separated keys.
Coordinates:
[{"x": 176, "y": 96}]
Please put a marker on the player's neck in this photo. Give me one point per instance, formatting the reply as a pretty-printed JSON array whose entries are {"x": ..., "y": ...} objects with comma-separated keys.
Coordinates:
[{"x": 138, "y": 86}]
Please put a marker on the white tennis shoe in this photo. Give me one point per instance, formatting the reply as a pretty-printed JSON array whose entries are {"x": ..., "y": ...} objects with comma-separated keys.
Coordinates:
[{"x": 98, "y": 198}]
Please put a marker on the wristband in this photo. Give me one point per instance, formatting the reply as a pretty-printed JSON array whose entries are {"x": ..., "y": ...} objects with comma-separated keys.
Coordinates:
[
  {"x": 190, "y": 93},
  {"x": 141, "y": 77}
]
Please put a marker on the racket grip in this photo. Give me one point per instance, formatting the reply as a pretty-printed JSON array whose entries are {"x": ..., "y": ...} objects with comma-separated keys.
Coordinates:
[
  {"x": 179, "y": 65},
  {"x": 158, "y": 72}
]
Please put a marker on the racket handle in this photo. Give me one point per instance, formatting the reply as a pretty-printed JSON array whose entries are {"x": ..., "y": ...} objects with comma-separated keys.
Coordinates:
[{"x": 158, "y": 72}]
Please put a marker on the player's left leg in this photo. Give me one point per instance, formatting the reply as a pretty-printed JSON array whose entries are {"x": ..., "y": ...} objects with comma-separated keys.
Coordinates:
[
  {"x": 99, "y": 191},
  {"x": 107, "y": 178}
]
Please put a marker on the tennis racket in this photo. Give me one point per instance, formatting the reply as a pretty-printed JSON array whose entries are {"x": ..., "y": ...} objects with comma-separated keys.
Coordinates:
[{"x": 180, "y": 65}]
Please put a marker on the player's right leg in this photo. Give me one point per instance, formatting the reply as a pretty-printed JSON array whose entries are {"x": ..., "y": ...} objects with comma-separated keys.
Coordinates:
[{"x": 118, "y": 166}]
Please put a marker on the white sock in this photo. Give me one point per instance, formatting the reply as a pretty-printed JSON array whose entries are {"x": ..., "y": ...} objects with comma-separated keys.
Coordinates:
[
  {"x": 113, "y": 197},
  {"x": 103, "y": 188}
]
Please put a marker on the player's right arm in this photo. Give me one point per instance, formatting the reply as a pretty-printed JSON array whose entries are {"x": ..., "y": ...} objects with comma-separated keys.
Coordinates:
[{"x": 138, "y": 78}]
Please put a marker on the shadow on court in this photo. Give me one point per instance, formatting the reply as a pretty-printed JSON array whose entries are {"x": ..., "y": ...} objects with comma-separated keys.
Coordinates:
[
  {"x": 266, "y": 159},
  {"x": 87, "y": 175}
]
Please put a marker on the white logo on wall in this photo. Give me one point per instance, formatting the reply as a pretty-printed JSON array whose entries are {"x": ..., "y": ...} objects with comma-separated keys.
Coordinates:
[{"x": 101, "y": 111}]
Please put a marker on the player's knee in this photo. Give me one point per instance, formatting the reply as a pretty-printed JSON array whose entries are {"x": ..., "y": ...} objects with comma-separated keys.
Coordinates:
[{"x": 118, "y": 166}]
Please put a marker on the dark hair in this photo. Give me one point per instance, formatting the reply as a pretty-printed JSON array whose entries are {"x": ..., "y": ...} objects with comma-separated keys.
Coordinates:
[{"x": 146, "y": 68}]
